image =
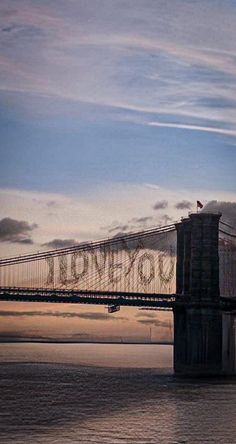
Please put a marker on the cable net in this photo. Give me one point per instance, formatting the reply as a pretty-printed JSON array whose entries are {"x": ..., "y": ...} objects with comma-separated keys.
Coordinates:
[
  {"x": 227, "y": 260},
  {"x": 141, "y": 262}
]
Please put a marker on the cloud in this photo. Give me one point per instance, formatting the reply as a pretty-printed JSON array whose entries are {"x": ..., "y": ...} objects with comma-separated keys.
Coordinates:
[
  {"x": 228, "y": 210},
  {"x": 93, "y": 316},
  {"x": 141, "y": 220},
  {"x": 208, "y": 129},
  {"x": 51, "y": 203},
  {"x": 134, "y": 224},
  {"x": 15, "y": 231},
  {"x": 130, "y": 56},
  {"x": 8, "y": 29},
  {"x": 16, "y": 336},
  {"x": 79, "y": 335},
  {"x": 26, "y": 241},
  {"x": 146, "y": 314},
  {"x": 119, "y": 228},
  {"x": 216, "y": 102},
  {"x": 164, "y": 242},
  {"x": 165, "y": 219},
  {"x": 160, "y": 205},
  {"x": 184, "y": 205},
  {"x": 80, "y": 217},
  {"x": 152, "y": 319},
  {"x": 101, "y": 317},
  {"x": 60, "y": 243},
  {"x": 155, "y": 323}
]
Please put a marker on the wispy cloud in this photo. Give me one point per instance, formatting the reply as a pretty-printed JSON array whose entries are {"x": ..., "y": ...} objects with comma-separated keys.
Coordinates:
[
  {"x": 208, "y": 129},
  {"x": 93, "y": 316},
  {"x": 120, "y": 227},
  {"x": 155, "y": 323},
  {"x": 128, "y": 62},
  {"x": 146, "y": 314},
  {"x": 141, "y": 220}
]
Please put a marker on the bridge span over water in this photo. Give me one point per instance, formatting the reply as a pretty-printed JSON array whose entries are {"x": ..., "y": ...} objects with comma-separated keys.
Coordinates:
[{"x": 188, "y": 267}]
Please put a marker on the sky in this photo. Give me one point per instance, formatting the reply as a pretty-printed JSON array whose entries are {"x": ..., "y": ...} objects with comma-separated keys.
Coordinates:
[{"x": 113, "y": 114}]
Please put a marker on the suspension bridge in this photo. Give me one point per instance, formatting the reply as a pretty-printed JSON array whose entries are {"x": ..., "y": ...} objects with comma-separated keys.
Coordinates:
[{"x": 188, "y": 267}]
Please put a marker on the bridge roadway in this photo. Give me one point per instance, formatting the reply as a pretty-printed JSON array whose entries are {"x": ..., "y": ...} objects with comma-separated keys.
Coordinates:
[
  {"x": 86, "y": 297},
  {"x": 130, "y": 299}
]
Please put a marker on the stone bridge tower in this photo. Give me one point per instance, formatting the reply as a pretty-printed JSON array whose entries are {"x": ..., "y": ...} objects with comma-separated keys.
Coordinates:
[{"x": 199, "y": 335}]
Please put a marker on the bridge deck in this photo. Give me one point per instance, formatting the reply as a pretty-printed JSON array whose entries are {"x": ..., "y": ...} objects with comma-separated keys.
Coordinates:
[
  {"x": 86, "y": 297},
  {"x": 50, "y": 295}
]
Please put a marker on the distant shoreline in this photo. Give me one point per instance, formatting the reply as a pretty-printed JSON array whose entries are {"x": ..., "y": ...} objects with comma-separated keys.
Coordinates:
[{"x": 46, "y": 341}]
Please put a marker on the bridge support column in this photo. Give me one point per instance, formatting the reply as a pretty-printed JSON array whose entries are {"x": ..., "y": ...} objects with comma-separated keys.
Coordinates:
[
  {"x": 229, "y": 343},
  {"x": 200, "y": 330},
  {"x": 198, "y": 341}
]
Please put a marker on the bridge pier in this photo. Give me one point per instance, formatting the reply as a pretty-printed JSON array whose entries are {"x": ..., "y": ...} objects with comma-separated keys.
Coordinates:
[
  {"x": 198, "y": 341},
  {"x": 229, "y": 343},
  {"x": 204, "y": 336}
]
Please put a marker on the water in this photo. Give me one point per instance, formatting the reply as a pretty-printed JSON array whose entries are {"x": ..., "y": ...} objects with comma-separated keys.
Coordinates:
[{"x": 87, "y": 393}]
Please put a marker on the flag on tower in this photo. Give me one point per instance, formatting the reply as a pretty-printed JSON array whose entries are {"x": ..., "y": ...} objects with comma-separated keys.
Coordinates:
[{"x": 199, "y": 204}]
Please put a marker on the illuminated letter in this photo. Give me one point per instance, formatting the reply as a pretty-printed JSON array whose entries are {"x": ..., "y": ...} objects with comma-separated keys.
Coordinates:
[
  {"x": 99, "y": 265},
  {"x": 63, "y": 269},
  {"x": 112, "y": 268},
  {"x": 50, "y": 277},
  {"x": 132, "y": 255},
  {"x": 166, "y": 278},
  {"x": 146, "y": 257},
  {"x": 78, "y": 276}
]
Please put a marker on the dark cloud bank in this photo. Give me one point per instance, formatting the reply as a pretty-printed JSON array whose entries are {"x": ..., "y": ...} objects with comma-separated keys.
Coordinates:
[
  {"x": 160, "y": 205},
  {"x": 184, "y": 205},
  {"x": 16, "y": 231},
  {"x": 228, "y": 210},
  {"x": 60, "y": 243}
]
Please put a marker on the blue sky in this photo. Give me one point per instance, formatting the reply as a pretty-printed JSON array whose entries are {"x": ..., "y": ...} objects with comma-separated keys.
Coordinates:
[
  {"x": 108, "y": 107},
  {"x": 116, "y": 91},
  {"x": 63, "y": 157}
]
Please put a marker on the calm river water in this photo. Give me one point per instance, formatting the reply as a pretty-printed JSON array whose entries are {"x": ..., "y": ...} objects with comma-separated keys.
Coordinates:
[{"x": 93, "y": 393}]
